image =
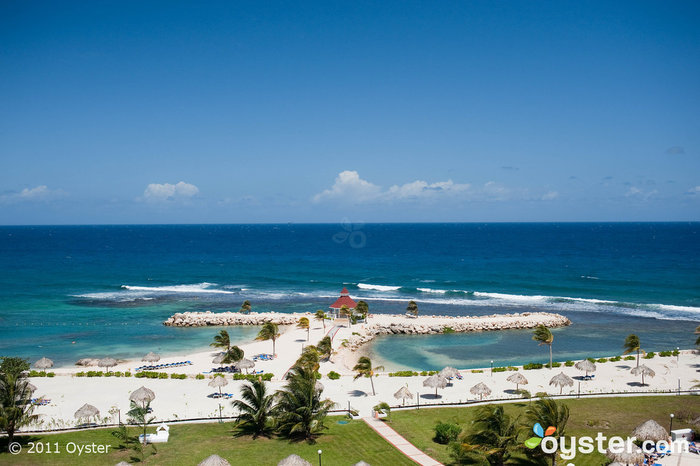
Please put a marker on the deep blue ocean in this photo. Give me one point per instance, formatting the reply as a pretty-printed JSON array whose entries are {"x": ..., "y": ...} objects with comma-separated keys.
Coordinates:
[{"x": 68, "y": 292}]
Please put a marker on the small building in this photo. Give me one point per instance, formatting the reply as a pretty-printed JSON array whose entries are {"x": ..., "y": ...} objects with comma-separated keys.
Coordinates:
[{"x": 344, "y": 300}]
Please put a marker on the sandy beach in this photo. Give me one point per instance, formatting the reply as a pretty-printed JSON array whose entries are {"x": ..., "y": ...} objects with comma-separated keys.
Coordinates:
[{"x": 190, "y": 398}]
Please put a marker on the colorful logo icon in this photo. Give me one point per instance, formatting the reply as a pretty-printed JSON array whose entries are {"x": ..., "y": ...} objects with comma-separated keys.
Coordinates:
[{"x": 533, "y": 442}]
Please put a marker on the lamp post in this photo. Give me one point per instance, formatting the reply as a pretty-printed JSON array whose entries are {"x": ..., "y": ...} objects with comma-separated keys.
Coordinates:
[
  {"x": 319, "y": 457},
  {"x": 678, "y": 353},
  {"x": 491, "y": 368},
  {"x": 670, "y": 428}
]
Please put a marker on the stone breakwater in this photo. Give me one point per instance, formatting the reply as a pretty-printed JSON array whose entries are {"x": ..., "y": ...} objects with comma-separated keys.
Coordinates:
[{"x": 204, "y": 319}]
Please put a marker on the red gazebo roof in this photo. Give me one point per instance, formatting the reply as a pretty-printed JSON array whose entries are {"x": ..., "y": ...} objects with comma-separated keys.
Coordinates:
[{"x": 344, "y": 300}]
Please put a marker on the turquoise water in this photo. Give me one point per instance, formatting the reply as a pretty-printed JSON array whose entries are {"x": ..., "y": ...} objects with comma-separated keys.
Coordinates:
[{"x": 88, "y": 291}]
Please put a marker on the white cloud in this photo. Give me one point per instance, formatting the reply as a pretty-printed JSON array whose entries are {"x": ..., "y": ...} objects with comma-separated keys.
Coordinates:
[
  {"x": 156, "y": 192},
  {"x": 421, "y": 189},
  {"x": 38, "y": 193},
  {"x": 349, "y": 186},
  {"x": 636, "y": 193},
  {"x": 694, "y": 191},
  {"x": 550, "y": 196}
]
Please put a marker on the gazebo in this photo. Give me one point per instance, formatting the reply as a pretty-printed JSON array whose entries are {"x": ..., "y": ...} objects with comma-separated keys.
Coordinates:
[{"x": 344, "y": 300}]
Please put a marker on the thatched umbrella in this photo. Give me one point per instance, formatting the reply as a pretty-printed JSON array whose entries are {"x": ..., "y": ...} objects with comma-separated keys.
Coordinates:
[
  {"x": 107, "y": 362},
  {"x": 219, "y": 359},
  {"x": 643, "y": 370},
  {"x": 87, "y": 411},
  {"x": 650, "y": 430},
  {"x": 436, "y": 381},
  {"x": 586, "y": 366},
  {"x": 245, "y": 364},
  {"x": 85, "y": 362},
  {"x": 480, "y": 389},
  {"x": 214, "y": 460},
  {"x": 143, "y": 395},
  {"x": 218, "y": 381},
  {"x": 403, "y": 393},
  {"x": 44, "y": 363},
  {"x": 518, "y": 379},
  {"x": 319, "y": 386},
  {"x": 151, "y": 357},
  {"x": 294, "y": 460},
  {"x": 449, "y": 372},
  {"x": 561, "y": 380},
  {"x": 636, "y": 456}
]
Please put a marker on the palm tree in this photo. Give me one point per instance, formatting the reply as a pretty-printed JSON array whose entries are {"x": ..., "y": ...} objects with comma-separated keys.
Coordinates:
[
  {"x": 255, "y": 410},
  {"x": 362, "y": 308},
  {"x": 495, "y": 435},
  {"x": 300, "y": 411},
  {"x": 544, "y": 336},
  {"x": 632, "y": 345},
  {"x": 697, "y": 332},
  {"x": 16, "y": 408},
  {"x": 245, "y": 307},
  {"x": 346, "y": 311},
  {"x": 138, "y": 414},
  {"x": 269, "y": 331},
  {"x": 548, "y": 412},
  {"x": 309, "y": 358},
  {"x": 364, "y": 368},
  {"x": 222, "y": 340},
  {"x": 235, "y": 354},
  {"x": 321, "y": 315},
  {"x": 325, "y": 348},
  {"x": 304, "y": 323},
  {"x": 412, "y": 308}
]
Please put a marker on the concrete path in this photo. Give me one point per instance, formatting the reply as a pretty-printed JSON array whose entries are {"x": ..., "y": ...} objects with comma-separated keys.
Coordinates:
[{"x": 403, "y": 445}]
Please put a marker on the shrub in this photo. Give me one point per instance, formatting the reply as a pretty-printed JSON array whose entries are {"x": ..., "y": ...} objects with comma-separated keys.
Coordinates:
[
  {"x": 80, "y": 374},
  {"x": 524, "y": 393},
  {"x": 127, "y": 374},
  {"x": 649, "y": 355},
  {"x": 424, "y": 373},
  {"x": 591, "y": 359},
  {"x": 34, "y": 373},
  {"x": 199, "y": 376},
  {"x": 333, "y": 375},
  {"x": 602, "y": 360},
  {"x": 178, "y": 376},
  {"x": 554, "y": 364},
  {"x": 253, "y": 377},
  {"x": 448, "y": 330},
  {"x": 533, "y": 365},
  {"x": 403, "y": 374},
  {"x": 569, "y": 363},
  {"x": 95, "y": 373},
  {"x": 499, "y": 369},
  {"x": 446, "y": 432},
  {"x": 629, "y": 358},
  {"x": 665, "y": 354},
  {"x": 512, "y": 368},
  {"x": 317, "y": 375},
  {"x": 541, "y": 394},
  {"x": 616, "y": 359},
  {"x": 477, "y": 371},
  {"x": 50, "y": 374}
]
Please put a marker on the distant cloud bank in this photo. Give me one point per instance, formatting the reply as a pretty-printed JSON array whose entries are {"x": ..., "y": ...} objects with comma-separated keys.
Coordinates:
[
  {"x": 38, "y": 193},
  {"x": 156, "y": 192}
]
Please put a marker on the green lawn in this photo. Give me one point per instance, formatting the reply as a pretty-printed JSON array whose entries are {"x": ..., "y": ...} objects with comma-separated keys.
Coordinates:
[
  {"x": 191, "y": 443},
  {"x": 612, "y": 416}
]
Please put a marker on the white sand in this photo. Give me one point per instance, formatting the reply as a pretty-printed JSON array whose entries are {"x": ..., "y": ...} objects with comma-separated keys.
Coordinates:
[{"x": 188, "y": 398}]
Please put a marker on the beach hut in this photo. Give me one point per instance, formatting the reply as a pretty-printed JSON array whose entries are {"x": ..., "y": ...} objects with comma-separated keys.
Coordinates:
[
  {"x": 403, "y": 393},
  {"x": 151, "y": 357},
  {"x": 643, "y": 371},
  {"x": 43, "y": 364},
  {"x": 86, "y": 412},
  {"x": 294, "y": 460},
  {"x": 518, "y": 379},
  {"x": 143, "y": 395},
  {"x": 561, "y": 380},
  {"x": 107, "y": 363},
  {"x": 480, "y": 389},
  {"x": 343, "y": 300},
  {"x": 585, "y": 366},
  {"x": 650, "y": 430},
  {"x": 217, "y": 382},
  {"x": 214, "y": 460},
  {"x": 435, "y": 381}
]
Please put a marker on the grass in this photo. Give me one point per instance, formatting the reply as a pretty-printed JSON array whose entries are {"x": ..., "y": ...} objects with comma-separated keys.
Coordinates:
[
  {"x": 611, "y": 416},
  {"x": 191, "y": 443}
]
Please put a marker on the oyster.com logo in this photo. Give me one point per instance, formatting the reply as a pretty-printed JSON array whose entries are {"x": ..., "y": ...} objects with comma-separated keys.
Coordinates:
[{"x": 534, "y": 442}]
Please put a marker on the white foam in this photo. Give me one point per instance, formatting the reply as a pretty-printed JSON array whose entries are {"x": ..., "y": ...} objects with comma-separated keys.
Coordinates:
[
  {"x": 191, "y": 289},
  {"x": 430, "y": 290},
  {"x": 369, "y": 286}
]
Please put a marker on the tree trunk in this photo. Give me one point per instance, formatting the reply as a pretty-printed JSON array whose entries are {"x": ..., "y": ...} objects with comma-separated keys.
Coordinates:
[
  {"x": 273, "y": 347},
  {"x": 372, "y": 382},
  {"x": 550, "y": 357},
  {"x": 637, "y": 358}
]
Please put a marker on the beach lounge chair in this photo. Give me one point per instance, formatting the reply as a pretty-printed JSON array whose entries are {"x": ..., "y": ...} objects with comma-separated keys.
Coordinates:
[{"x": 161, "y": 435}]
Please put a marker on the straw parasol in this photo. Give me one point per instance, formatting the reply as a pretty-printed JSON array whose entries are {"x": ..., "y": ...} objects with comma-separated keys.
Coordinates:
[
  {"x": 87, "y": 411},
  {"x": 449, "y": 372},
  {"x": 151, "y": 357},
  {"x": 143, "y": 395},
  {"x": 218, "y": 382},
  {"x": 436, "y": 381},
  {"x": 636, "y": 456},
  {"x": 44, "y": 363},
  {"x": 294, "y": 460},
  {"x": 107, "y": 362},
  {"x": 214, "y": 460},
  {"x": 86, "y": 362},
  {"x": 319, "y": 386},
  {"x": 219, "y": 359},
  {"x": 650, "y": 430},
  {"x": 480, "y": 389},
  {"x": 585, "y": 366},
  {"x": 403, "y": 393},
  {"x": 518, "y": 379},
  {"x": 561, "y": 380},
  {"x": 245, "y": 364},
  {"x": 643, "y": 370}
]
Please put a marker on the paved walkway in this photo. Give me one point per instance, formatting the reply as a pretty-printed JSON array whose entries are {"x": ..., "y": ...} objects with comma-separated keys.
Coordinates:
[{"x": 403, "y": 445}]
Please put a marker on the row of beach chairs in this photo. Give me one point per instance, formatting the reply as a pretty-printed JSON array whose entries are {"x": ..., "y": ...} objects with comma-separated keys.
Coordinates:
[
  {"x": 156, "y": 367},
  {"x": 263, "y": 357},
  {"x": 41, "y": 401}
]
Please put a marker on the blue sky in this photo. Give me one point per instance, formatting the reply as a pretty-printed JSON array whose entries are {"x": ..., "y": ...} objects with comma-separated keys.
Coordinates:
[{"x": 236, "y": 112}]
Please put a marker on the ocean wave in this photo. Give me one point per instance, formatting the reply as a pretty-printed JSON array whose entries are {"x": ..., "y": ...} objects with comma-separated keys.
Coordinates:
[
  {"x": 369, "y": 286},
  {"x": 430, "y": 290},
  {"x": 191, "y": 289}
]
